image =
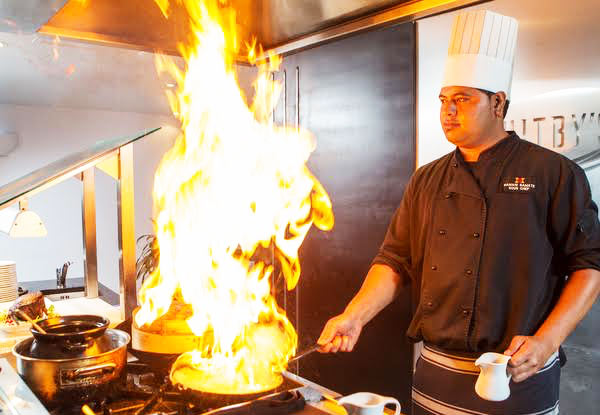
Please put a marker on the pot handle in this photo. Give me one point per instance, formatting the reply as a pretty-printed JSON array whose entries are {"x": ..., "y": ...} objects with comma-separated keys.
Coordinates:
[{"x": 92, "y": 371}]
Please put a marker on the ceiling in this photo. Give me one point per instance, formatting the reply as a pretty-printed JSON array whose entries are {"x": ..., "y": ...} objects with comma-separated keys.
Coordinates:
[
  {"x": 26, "y": 16},
  {"x": 40, "y": 70},
  {"x": 43, "y": 71},
  {"x": 61, "y": 70}
]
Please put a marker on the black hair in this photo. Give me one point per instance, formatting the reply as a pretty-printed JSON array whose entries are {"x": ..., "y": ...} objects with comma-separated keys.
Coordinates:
[{"x": 506, "y": 103}]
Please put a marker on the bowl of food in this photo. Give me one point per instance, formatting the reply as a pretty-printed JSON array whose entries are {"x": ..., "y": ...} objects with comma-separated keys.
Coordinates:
[{"x": 34, "y": 305}]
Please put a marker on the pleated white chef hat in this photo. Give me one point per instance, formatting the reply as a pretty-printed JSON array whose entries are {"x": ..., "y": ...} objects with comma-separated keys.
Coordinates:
[{"x": 482, "y": 51}]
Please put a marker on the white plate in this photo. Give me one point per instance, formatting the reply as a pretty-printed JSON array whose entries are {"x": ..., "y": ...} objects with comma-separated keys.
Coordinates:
[{"x": 21, "y": 329}]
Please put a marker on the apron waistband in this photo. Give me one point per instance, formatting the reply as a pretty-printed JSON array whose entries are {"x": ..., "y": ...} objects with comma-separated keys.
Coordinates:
[{"x": 463, "y": 364}]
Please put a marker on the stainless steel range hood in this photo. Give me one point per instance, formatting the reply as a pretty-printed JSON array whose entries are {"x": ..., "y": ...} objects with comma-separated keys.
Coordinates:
[{"x": 283, "y": 25}]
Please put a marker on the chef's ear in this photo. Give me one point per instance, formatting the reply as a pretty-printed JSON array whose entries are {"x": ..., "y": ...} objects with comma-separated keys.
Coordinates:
[{"x": 499, "y": 103}]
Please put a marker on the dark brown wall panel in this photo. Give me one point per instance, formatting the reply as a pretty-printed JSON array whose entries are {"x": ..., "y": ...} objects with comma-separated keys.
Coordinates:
[{"x": 357, "y": 96}]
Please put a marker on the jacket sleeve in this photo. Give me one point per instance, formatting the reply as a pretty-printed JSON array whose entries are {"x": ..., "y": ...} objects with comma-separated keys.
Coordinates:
[
  {"x": 575, "y": 230},
  {"x": 395, "y": 249}
]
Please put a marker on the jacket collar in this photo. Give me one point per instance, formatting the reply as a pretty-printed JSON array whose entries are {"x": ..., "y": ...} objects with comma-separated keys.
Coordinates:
[{"x": 459, "y": 178}]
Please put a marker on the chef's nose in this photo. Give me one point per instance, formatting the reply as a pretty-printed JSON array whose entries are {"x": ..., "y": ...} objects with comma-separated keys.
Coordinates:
[{"x": 449, "y": 107}]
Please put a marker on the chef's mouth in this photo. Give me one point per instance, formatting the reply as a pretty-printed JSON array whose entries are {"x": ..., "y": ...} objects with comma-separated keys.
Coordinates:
[{"x": 450, "y": 125}]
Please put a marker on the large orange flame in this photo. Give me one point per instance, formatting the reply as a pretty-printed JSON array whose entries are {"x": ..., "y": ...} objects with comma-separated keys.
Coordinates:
[{"x": 233, "y": 187}]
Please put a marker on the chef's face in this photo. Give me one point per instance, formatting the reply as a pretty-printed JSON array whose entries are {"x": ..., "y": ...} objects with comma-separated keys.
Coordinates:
[{"x": 466, "y": 115}]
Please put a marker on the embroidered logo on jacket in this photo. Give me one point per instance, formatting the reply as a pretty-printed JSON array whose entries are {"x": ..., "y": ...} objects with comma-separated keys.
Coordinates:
[{"x": 518, "y": 184}]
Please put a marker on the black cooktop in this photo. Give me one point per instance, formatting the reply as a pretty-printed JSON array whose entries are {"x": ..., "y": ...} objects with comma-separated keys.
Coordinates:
[{"x": 144, "y": 392}]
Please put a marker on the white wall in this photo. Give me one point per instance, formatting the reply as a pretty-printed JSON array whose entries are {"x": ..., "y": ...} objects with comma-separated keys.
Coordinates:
[
  {"x": 47, "y": 134},
  {"x": 433, "y": 35},
  {"x": 556, "y": 73}
]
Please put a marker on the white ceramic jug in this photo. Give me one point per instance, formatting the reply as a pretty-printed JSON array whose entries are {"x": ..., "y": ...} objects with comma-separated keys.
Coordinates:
[
  {"x": 367, "y": 403},
  {"x": 493, "y": 380}
]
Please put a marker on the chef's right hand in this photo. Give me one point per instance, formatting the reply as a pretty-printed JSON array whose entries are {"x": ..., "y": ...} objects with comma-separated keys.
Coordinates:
[{"x": 340, "y": 334}]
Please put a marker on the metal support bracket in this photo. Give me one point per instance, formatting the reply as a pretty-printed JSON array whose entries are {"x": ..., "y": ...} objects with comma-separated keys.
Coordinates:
[
  {"x": 125, "y": 198},
  {"x": 88, "y": 213}
]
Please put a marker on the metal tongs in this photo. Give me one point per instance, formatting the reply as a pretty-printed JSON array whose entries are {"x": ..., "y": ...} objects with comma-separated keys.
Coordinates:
[{"x": 305, "y": 353}]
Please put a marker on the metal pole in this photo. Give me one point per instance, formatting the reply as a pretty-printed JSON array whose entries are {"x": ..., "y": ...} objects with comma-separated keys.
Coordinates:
[
  {"x": 126, "y": 216},
  {"x": 285, "y": 120},
  {"x": 88, "y": 214},
  {"x": 297, "y": 289}
]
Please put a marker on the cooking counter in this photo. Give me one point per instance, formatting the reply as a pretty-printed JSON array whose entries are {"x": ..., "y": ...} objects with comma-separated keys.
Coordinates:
[
  {"x": 15, "y": 396},
  {"x": 17, "y": 399}
]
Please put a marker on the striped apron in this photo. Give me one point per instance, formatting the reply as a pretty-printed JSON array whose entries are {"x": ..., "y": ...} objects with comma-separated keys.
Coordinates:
[{"x": 444, "y": 384}]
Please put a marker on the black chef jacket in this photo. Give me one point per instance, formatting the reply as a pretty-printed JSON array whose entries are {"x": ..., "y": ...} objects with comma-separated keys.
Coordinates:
[{"x": 487, "y": 261}]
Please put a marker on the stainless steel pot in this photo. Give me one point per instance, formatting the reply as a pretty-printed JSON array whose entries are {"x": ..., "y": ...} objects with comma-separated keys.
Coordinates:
[{"x": 76, "y": 379}]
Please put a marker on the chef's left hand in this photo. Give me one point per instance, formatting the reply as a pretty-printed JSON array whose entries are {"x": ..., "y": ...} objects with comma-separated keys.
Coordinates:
[{"x": 528, "y": 355}]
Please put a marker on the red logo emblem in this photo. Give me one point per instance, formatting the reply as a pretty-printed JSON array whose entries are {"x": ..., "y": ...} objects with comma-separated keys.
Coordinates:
[{"x": 519, "y": 180}]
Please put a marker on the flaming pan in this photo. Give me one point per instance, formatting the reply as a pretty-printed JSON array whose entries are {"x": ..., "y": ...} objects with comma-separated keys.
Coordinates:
[
  {"x": 161, "y": 364},
  {"x": 273, "y": 398},
  {"x": 210, "y": 400}
]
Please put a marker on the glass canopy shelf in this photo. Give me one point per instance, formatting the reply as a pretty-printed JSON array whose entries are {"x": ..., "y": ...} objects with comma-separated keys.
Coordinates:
[{"x": 64, "y": 168}]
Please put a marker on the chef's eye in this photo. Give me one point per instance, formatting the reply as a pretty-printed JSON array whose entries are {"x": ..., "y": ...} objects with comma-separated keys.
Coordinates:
[{"x": 462, "y": 99}]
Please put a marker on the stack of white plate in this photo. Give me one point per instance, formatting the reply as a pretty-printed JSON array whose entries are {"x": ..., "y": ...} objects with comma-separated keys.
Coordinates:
[{"x": 8, "y": 281}]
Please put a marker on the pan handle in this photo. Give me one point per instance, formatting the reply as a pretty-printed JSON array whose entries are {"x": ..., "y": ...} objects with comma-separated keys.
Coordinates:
[{"x": 97, "y": 370}]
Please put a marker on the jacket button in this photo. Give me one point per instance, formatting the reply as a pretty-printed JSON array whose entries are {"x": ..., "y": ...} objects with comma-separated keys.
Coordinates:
[
  {"x": 465, "y": 312},
  {"x": 476, "y": 235},
  {"x": 442, "y": 232},
  {"x": 468, "y": 272},
  {"x": 429, "y": 304},
  {"x": 455, "y": 164},
  {"x": 434, "y": 267}
]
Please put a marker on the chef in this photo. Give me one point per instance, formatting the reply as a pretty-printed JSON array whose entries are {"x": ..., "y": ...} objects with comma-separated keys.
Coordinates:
[{"x": 499, "y": 242}]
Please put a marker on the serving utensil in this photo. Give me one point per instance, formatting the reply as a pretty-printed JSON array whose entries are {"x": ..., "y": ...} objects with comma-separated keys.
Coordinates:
[{"x": 25, "y": 316}]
